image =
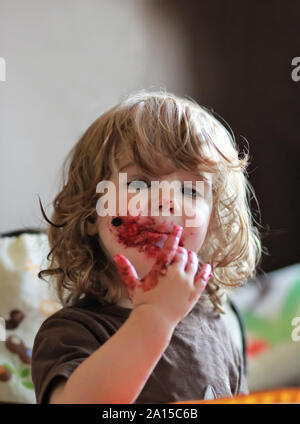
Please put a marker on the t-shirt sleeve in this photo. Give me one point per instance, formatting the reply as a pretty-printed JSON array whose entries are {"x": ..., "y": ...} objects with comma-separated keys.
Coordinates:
[{"x": 61, "y": 344}]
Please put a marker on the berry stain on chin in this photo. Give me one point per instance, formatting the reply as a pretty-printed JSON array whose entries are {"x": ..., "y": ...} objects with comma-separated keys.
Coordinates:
[{"x": 132, "y": 231}]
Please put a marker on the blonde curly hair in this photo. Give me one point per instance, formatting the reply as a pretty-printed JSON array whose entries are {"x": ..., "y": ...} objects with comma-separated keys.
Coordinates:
[{"x": 190, "y": 135}]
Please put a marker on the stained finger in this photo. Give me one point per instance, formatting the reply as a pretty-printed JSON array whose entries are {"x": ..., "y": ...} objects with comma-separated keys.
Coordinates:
[
  {"x": 200, "y": 283},
  {"x": 192, "y": 262},
  {"x": 180, "y": 257},
  {"x": 127, "y": 272},
  {"x": 204, "y": 274},
  {"x": 169, "y": 249}
]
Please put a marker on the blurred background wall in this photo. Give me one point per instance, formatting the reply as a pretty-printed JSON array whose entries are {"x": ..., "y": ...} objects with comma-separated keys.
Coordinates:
[{"x": 68, "y": 61}]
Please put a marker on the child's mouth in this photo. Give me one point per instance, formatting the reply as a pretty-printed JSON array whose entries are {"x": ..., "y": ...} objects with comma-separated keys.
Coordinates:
[{"x": 146, "y": 237}]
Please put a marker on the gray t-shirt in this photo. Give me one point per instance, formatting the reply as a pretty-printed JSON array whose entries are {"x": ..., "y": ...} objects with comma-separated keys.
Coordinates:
[{"x": 200, "y": 362}]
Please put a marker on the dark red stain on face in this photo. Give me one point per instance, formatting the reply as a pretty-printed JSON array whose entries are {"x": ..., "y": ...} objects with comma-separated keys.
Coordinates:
[
  {"x": 132, "y": 232},
  {"x": 148, "y": 282},
  {"x": 138, "y": 232}
]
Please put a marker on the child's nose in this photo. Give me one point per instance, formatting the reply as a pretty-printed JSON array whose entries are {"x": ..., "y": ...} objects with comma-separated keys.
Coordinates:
[{"x": 167, "y": 204}]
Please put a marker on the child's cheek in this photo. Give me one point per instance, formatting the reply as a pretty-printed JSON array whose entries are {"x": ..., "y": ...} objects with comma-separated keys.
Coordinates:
[{"x": 194, "y": 237}]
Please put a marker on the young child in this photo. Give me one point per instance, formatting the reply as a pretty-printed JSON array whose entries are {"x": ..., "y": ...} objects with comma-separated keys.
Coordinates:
[{"x": 140, "y": 321}]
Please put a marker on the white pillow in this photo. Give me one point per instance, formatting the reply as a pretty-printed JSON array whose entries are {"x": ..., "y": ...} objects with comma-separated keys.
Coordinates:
[{"x": 25, "y": 302}]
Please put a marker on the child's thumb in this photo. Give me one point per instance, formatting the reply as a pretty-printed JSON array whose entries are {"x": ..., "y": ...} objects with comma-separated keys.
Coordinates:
[{"x": 127, "y": 272}]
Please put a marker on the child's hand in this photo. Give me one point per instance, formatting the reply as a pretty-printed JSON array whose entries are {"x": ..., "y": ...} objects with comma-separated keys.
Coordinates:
[{"x": 172, "y": 286}]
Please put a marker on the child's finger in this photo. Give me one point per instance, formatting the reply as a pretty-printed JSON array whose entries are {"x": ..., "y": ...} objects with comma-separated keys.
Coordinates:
[
  {"x": 169, "y": 249},
  {"x": 204, "y": 274},
  {"x": 180, "y": 257},
  {"x": 192, "y": 262},
  {"x": 127, "y": 273},
  {"x": 200, "y": 282}
]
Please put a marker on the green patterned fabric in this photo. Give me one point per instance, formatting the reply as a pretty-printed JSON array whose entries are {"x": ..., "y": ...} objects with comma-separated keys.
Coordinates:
[{"x": 270, "y": 307}]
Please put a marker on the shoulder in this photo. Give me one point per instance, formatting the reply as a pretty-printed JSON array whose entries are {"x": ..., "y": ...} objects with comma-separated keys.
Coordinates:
[
  {"x": 68, "y": 337},
  {"x": 87, "y": 313},
  {"x": 85, "y": 320},
  {"x": 232, "y": 323},
  {"x": 235, "y": 323},
  {"x": 64, "y": 320},
  {"x": 225, "y": 326}
]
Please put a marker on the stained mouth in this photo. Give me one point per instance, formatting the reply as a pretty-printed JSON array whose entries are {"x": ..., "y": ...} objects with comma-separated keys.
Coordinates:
[
  {"x": 151, "y": 230},
  {"x": 146, "y": 238}
]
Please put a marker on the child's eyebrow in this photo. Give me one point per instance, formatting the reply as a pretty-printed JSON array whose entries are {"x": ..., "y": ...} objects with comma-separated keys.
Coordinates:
[{"x": 201, "y": 177}]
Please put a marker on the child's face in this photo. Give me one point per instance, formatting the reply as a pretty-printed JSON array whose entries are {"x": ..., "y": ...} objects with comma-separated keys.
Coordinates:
[{"x": 135, "y": 237}]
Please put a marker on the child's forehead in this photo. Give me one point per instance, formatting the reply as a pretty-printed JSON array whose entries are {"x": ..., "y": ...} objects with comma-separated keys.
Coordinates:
[
  {"x": 158, "y": 162},
  {"x": 165, "y": 168},
  {"x": 132, "y": 166}
]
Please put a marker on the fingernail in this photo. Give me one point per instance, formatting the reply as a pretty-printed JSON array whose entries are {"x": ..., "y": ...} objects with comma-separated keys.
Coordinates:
[
  {"x": 191, "y": 255},
  {"x": 206, "y": 272}
]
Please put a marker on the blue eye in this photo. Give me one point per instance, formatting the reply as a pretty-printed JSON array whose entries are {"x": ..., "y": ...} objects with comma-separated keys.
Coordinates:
[
  {"x": 195, "y": 192},
  {"x": 141, "y": 184}
]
